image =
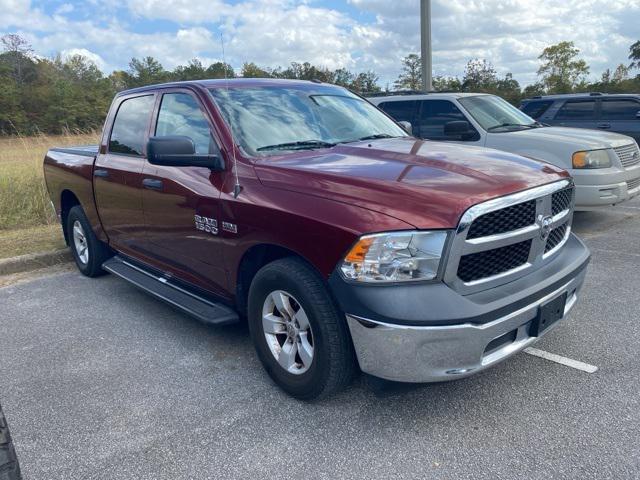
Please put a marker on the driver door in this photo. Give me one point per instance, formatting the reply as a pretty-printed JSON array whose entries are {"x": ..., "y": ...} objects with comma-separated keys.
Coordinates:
[{"x": 182, "y": 204}]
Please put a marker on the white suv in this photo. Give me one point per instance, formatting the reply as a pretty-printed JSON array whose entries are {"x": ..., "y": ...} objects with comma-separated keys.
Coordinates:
[{"x": 605, "y": 166}]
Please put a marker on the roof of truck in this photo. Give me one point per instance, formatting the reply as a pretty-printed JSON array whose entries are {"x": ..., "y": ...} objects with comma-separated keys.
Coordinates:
[
  {"x": 222, "y": 83},
  {"x": 420, "y": 96}
]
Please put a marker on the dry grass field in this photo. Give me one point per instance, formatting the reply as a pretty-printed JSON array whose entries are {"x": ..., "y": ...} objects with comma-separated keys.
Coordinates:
[{"x": 27, "y": 221}]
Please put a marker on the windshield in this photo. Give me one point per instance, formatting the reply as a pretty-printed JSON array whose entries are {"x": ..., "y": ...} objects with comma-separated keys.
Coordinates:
[
  {"x": 269, "y": 120},
  {"x": 495, "y": 114}
]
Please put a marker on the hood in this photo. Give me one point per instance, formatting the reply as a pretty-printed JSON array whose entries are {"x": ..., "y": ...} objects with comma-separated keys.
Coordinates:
[
  {"x": 575, "y": 138},
  {"x": 423, "y": 183}
]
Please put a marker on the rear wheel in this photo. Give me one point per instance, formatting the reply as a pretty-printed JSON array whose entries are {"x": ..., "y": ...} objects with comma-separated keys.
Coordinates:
[
  {"x": 88, "y": 252},
  {"x": 299, "y": 334},
  {"x": 9, "y": 467}
]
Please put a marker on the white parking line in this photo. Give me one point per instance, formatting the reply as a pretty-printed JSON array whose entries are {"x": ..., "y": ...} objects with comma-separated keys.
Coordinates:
[{"x": 585, "y": 367}]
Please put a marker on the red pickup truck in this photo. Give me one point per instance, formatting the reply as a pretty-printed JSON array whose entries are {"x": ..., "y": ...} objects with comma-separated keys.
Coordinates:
[{"x": 346, "y": 243}]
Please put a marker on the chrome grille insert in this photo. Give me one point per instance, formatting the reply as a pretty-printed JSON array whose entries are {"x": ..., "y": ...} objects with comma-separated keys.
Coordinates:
[
  {"x": 633, "y": 184},
  {"x": 518, "y": 232},
  {"x": 629, "y": 155}
]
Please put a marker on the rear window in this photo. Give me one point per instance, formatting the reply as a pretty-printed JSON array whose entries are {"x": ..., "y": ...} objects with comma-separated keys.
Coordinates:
[
  {"x": 536, "y": 109},
  {"x": 577, "y": 110},
  {"x": 401, "y": 111},
  {"x": 130, "y": 126},
  {"x": 620, "y": 109}
]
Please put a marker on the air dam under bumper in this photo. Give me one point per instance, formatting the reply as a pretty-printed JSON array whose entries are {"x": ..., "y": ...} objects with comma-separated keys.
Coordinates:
[{"x": 429, "y": 352}]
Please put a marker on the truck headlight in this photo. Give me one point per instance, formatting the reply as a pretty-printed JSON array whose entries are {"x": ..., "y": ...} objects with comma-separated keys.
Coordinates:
[
  {"x": 395, "y": 257},
  {"x": 591, "y": 159}
]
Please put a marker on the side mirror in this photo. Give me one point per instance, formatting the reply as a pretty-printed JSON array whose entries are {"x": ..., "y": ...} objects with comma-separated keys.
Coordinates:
[
  {"x": 180, "y": 151},
  {"x": 458, "y": 128},
  {"x": 406, "y": 126},
  {"x": 638, "y": 114}
]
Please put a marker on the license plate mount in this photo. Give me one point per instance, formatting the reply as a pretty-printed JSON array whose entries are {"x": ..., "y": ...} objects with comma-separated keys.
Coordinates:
[{"x": 548, "y": 314}]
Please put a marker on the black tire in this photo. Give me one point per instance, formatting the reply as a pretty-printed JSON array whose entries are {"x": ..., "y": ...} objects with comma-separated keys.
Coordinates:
[
  {"x": 97, "y": 251},
  {"x": 9, "y": 467},
  {"x": 333, "y": 363}
]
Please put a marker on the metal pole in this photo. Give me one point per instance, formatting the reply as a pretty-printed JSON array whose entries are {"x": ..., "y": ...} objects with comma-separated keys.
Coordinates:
[{"x": 425, "y": 37}]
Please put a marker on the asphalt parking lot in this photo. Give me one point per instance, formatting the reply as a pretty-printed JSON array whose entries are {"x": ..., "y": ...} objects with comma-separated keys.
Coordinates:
[{"x": 100, "y": 381}]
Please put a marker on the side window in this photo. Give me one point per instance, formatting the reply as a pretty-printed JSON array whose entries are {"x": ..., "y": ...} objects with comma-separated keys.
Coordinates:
[
  {"x": 130, "y": 125},
  {"x": 434, "y": 114},
  {"x": 400, "y": 111},
  {"x": 577, "y": 110},
  {"x": 536, "y": 109},
  {"x": 620, "y": 109},
  {"x": 180, "y": 114}
]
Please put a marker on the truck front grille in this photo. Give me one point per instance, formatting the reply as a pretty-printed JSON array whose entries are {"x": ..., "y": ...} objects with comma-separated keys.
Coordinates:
[
  {"x": 499, "y": 240},
  {"x": 561, "y": 201},
  {"x": 633, "y": 184},
  {"x": 505, "y": 220},
  {"x": 493, "y": 262},
  {"x": 555, "y": 237},
  {"x": 629, "y": 155}
]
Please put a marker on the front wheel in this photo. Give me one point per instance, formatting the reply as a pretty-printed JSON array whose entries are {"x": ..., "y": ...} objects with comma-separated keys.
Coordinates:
[{"x": 300, "y": 336}]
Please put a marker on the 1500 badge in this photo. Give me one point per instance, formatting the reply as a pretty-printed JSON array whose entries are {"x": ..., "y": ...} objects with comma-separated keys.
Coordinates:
[{"x": 206, "y": 224}]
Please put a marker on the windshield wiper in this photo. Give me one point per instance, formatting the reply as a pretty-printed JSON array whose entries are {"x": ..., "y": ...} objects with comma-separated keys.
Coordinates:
[
  {"x": 376, "y": 136},
  {"x": 502, "y": 125},
  {"x": 301, "y": 145}
]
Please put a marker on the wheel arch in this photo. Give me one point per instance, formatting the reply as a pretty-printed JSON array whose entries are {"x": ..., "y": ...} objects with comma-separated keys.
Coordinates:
[
  {"x": 68, "y": 200},
  {"x": 256, "y": 257}
]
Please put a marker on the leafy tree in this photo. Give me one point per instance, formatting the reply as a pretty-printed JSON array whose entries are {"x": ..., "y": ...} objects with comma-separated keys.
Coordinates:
[
  {"x": 145, "y": 71},
  {"x": 192, "y": 71},
  {"x": 561, "y": 70},
  {"x": 479, "y": 76},
  {"x": 441, "y": 83},
  {"x": 634, "y": 55},
  {"x": 18, "y": 53},
  {"x": 251, "y": 70},
  {"x": 365, "y": 82},
  {"x": 411, "y": 76},
  {"x": 220, "y": 70}
]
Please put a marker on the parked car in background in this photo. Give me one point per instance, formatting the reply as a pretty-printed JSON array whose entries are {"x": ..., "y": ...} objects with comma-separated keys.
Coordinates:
[
  {"x": 301, "y": 207},
  {"x": 618, "y": 113},
  {"x": 9, "y": 467},
  {"x": 605, "y": 166}
]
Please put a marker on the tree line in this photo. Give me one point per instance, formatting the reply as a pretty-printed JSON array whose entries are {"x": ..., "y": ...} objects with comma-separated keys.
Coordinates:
[{"x": 54, "y": 95}]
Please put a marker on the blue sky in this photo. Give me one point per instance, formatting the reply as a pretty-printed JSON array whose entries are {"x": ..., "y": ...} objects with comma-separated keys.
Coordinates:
[{"x": 356, "y": 34}]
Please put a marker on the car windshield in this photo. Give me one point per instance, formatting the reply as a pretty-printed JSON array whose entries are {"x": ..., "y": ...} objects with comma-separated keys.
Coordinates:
[
  {"x": 495, "y": 114},
  {"x": 270, "y": 120}
]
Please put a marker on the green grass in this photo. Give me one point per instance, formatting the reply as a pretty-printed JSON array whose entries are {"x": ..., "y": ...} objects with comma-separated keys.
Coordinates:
[{"x": 26, "y": 216}]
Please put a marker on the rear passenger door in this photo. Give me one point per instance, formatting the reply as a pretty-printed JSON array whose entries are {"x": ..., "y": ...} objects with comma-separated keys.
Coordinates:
[
  {"x": 578, "y": 113},
  {"x": 621, "y": 115},
  {"x": 117, "y": 172}
]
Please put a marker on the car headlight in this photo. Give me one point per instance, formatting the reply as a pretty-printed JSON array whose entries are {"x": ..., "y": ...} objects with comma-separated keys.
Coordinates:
[
  {"x": 591, "y": 159},
  {"x": 395, "y": 257}
]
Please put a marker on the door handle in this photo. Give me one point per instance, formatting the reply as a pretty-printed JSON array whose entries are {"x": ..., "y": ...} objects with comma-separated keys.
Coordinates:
[
  {"x": 152, "y": 183},
  {"x": 604, "y": 125},
  {"x": 101, "y": 173}
]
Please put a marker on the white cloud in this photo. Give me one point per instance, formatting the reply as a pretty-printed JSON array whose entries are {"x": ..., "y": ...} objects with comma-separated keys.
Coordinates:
[
  {"x": 94, "y": 57},
  {"x": 509, "y": 33}
]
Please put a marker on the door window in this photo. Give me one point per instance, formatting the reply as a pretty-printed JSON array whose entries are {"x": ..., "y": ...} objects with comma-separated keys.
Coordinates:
[
  {"x": 620, "y": 109},
  {"x": 130, "y": 126},
  {"x": 180, "y": 114},
  {"x": 577, "y": 110},
  {"x": 400, "y": 111},
  {"x": 536, "y": 109},
  {"x": 434, "y": 114}
]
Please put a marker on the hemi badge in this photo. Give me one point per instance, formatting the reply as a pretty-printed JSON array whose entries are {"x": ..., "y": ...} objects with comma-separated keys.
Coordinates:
[{"x": 230, "y": 227}]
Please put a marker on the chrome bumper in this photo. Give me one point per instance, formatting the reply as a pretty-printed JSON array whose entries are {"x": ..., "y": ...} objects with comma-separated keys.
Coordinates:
[{"x": 439, "y": 353}]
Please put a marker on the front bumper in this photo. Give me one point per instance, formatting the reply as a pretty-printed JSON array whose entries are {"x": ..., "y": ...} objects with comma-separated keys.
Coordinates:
[
  {"x": 599, "y": 188},
  {"x": 491, "y": 326}
]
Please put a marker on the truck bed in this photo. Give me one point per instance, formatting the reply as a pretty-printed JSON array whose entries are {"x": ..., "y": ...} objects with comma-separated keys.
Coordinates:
[{"x": 84, "y": 150}]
